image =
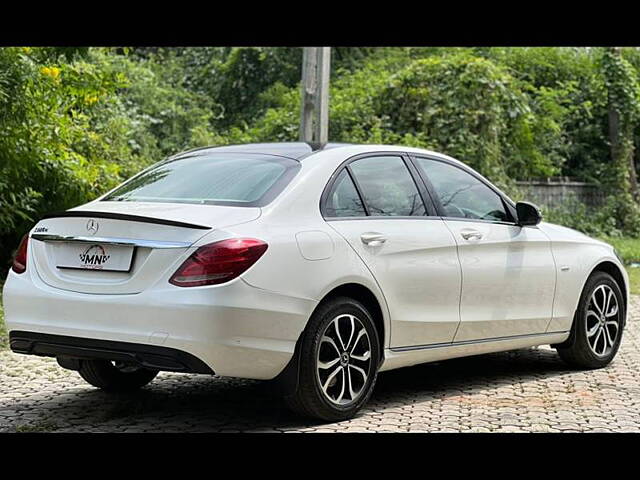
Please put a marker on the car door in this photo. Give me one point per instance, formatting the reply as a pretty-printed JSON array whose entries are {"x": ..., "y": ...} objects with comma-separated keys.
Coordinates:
[
  {"x": 375, "y": 203},
  {"x": 508, "y": 271}
]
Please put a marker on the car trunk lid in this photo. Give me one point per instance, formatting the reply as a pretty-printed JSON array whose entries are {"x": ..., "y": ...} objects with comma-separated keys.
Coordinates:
[{"x": 122, "y": 247}]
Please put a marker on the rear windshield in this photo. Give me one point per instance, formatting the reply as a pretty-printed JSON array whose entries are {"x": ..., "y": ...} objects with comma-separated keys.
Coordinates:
[{"x": 217, "y": 179}]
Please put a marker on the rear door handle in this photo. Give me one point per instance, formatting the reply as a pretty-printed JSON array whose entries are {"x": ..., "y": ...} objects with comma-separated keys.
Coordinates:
[
  {"x": 373, "y": 239},
  {"x": 468, "y": 234}
]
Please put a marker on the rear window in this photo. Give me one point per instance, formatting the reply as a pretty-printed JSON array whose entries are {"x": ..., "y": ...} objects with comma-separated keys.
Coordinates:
[{"x": 217, "y": 179}]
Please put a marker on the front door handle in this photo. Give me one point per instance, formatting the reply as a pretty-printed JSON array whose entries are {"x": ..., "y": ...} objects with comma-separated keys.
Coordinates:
[
  {"x": 469, "y": 234},
  {"x": 373, "y": 239}
]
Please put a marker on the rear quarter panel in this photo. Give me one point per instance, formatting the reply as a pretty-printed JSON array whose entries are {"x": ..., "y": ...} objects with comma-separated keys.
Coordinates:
[
  {"x": 306, "y": 258},
  {"x": 288, "y": 269}
]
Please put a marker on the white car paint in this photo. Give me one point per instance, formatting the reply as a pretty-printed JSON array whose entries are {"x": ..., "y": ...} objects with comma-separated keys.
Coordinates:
[
  {"x": 440, "y": 295},
  {"x": 508, "y": 280},
  {"x": 416, "y": 267}
]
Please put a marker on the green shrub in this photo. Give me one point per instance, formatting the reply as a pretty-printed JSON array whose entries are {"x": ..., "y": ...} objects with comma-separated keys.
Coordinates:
[
  {"x": 74, "y": 122},
  {"x": 53, "y": 150},
  {"x": 593, "y": 221},
  {"x": 628, "y": 248},
  {"x": 460, "y": 104}
]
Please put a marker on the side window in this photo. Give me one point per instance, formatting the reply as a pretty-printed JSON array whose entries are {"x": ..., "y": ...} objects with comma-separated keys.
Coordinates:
[
  {"x": 387, "y": 187},
  {"x": 343, "y": 200},
  {"x": 461, "y": 194}
]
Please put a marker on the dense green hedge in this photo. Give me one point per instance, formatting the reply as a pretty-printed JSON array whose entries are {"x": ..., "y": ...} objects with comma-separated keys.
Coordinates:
[
  {"x": 75, "y": 122},
  {"x": 62, "y": 138}
]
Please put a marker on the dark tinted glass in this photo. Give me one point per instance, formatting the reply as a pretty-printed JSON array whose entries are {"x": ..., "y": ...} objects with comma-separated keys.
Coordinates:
[
  {"x": 387, "y": 187},
  {"x": 215, "y": 178},
  {"x": 461, "y": 194},
  {"x": 344, "y": 200}
]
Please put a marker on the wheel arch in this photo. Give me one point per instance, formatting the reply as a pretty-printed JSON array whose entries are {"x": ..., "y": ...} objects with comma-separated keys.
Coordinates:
[
  {"x": 287, "y": 380},
  {"x": 614, "y": 270},
  {"x": 364, "y": 295}
]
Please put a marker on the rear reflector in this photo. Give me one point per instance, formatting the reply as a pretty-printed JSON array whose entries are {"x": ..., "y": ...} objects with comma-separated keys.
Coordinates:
[
  {"x": 20, "y": 260},
  {"x": 218, "y": 262}
]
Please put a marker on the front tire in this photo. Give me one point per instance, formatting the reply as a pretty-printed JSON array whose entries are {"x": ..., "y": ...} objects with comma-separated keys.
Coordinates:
[
  {"x": 339, "y": 361},
  {"x": 598, "y": 324},
  {"x": 115, "y": 377}
]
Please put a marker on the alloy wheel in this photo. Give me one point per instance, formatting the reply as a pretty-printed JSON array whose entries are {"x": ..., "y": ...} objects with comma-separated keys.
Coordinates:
[
  {"x": 603, "y": 320},
  {"x": 343, "y": 362}
]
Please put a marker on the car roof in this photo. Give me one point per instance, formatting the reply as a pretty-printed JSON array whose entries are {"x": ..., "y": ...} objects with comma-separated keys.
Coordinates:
[
  {"x": 300, "y": 150},
  {"x": 293, "y": 150}
]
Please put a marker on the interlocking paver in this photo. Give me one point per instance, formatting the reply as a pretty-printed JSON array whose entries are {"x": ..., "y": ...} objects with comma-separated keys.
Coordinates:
[{"x": 528, "y": 390}]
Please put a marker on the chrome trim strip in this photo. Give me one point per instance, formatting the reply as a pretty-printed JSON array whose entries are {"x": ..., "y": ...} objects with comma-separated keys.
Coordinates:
[
  {"x": 471, "y": 342},
  {"x": 383, "y": 217},
  {"x": 110, "y": 241}
]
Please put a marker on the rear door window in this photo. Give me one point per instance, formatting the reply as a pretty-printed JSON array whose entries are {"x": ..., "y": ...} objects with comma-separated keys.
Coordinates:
[
  {"x": 344, "y": 200},
  {"x": 387, "y": 187}
]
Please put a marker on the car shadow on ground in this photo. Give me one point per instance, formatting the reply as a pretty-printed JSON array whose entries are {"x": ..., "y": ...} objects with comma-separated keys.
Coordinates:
[{"x": 176, "y": 402}]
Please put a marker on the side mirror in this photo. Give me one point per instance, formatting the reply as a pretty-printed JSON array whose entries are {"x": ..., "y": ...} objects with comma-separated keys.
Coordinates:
[{"x": 528, "y": 214}]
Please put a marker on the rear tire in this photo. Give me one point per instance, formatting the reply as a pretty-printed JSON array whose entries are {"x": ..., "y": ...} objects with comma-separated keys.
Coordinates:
[
  {"x": 339, "y": 359},
  {"x": 111, "y": 378},
  {"x": 598, "y": 324}
]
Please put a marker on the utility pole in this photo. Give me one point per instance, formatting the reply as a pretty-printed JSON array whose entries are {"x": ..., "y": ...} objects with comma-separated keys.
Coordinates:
[{"x": 314, "y": 111}]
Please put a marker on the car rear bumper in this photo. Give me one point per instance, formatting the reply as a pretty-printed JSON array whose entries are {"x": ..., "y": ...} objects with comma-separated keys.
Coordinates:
[
  {"x": 233, "y": 329},
  {"x": 147, "y": 356}
]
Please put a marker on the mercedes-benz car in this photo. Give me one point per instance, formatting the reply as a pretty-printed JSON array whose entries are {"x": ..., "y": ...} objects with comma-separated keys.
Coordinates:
[{"x": 316, "y": 266}]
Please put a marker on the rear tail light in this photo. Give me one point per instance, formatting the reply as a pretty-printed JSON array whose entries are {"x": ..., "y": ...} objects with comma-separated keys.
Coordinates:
[
  {"x": 20, "y": 260},
  {"x": 218, "y": 262}
]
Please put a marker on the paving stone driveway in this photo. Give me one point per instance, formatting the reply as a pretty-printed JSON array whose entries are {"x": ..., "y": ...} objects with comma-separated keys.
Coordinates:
[{"x": 527, "y": 390}]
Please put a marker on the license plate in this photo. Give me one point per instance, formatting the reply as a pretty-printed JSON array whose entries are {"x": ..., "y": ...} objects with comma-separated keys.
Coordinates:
[{"x": 94, "y": 256}]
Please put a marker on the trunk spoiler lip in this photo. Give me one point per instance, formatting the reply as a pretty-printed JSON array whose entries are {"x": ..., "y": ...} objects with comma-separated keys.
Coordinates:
[{"x": 125, "y": 217}]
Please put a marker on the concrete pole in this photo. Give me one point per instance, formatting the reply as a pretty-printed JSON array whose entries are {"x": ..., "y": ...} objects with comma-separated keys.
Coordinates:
[
  {"x": 314, "y": 113},
  {"x": 309, "y": 62}
]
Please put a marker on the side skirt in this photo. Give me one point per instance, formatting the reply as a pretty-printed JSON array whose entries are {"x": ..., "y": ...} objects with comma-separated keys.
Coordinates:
[{"x": 408, "y": 356}]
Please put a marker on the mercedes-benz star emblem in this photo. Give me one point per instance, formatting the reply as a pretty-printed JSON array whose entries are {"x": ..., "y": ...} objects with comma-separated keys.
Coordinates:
[{"x": 92, "y": 227}]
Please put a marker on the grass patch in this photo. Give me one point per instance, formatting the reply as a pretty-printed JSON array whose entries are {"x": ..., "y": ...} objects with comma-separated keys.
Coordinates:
[
  {"x": 40, "y": 426},
  {"x": 629, "y": 249},
  {"x": 634, "y": 280},
  {"x": 4, "y": 337}
]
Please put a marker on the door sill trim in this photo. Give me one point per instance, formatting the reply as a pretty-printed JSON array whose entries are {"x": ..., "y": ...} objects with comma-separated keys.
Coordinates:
[{"x": 471, "y": 342}]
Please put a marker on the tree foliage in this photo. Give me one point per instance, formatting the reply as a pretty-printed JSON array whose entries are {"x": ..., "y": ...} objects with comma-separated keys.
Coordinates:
[
  {"x": 74, "y": 122},
  {"x": 59, "y": 142},
  {"x": 623, "y": 95}
]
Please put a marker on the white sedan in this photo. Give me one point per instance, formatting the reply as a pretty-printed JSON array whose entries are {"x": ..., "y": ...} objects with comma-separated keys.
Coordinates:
[{"x": 315, "y": 266}]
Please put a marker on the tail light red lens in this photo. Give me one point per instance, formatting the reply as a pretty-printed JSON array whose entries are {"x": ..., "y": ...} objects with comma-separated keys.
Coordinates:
[
  {"x": 20, "y": 260},
  {"x": 218, "y": 262}
]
